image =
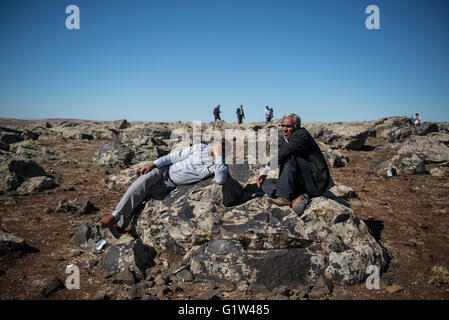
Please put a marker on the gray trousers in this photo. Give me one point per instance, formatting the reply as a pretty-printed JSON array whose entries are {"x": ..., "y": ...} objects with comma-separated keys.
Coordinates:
[{"x": 155, "y": 183}]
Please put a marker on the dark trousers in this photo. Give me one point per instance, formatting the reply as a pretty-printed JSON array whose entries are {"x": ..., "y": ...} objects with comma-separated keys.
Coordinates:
[
  {"x": 295, "y": 178},
  {"x": 239, "y": 119},
  {"x": 217, "y": 117}
]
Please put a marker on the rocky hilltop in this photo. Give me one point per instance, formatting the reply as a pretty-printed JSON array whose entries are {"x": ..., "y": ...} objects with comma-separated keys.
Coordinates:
[{"x": 228, "y": 237}]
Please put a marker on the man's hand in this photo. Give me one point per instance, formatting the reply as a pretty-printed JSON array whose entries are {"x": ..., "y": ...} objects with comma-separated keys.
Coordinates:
[
  {"x": 215, "y": 150},
  {"x": 147, "y": 168},
  {"x": 261, "y": 179}
]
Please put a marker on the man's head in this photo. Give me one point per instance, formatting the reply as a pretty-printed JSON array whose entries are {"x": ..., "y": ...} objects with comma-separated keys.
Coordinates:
[
  {"x": 219, "y": 147},
  {"x": 266, "y": 107},
  {"x": 290, "y": 123}
]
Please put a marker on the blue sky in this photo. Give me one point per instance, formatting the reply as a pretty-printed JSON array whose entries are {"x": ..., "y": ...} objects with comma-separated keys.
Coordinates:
[{"x": 176, "y": 60}]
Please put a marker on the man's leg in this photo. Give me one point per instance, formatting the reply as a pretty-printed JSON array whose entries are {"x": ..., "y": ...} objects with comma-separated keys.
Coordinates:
[
  {"x": 134, "y": 196},
  {"x": 289, "y": 184}
]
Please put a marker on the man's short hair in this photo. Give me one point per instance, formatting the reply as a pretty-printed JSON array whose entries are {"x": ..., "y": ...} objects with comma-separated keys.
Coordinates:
[{"x": 296, "y": 119}]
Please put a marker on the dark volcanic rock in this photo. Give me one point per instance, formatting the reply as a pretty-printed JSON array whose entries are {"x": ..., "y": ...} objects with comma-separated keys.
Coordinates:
[
  {"x": 14, "y": 171},
  {"x": 10, "y": 243},
  {"x": 134, "y": 255}
]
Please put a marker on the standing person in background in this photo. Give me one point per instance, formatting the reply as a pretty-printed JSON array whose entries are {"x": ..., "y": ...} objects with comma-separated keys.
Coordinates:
[
  {"x": 271, "y": 114},
  {"x": 217, "y": 113},
  {"x": 240, "y": 114},
  {"x": 267, "y": 114},
  {"x": 417, "y": 119}
]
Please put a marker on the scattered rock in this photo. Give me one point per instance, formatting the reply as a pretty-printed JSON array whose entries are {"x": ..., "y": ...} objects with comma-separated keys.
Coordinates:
[
  {"x": 36, "y": 184},
  {"x": 125, "y": 277},
  {"x": 440, "y": 277},
  {"x": 50, "y": 286},
  {"x": 64, "y": 206},
  {"x": 394, "y": 289},
  {"x": 185, "y": 276},
  {"x": 10, "y": 243},
  {"x": 84, "y": 206},
  {"x": 134, "y": 255},
  {"x": 208, "y": 296},
  {"x": 138, "y": 291},
  {"x": 322, "y": 288}
]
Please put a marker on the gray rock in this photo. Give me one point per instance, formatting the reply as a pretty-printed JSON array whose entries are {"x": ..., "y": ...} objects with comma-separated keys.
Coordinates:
[
  {"x": 401, "y": 134},
  {"x": 4, "y": 146},
  {"x": 10, "y": 137},
  {"x": 114, "y": 152},
  {"x": 84, "y": 206},
  {"x": 134, "y": 255},
  {"x": 322, "y": 288},
  {"x": 125, "y": 277},
  {"x": 50, "y": 286},
  {"x": 36, "y": 184},
  {"x": 14, "y": 171},
  {"x": 10, "y": 243},
  {"x": 87, "y": 236}
]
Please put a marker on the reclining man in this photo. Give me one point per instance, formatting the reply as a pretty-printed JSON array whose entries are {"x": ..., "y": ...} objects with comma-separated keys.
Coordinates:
[
  {"x": 303, "y": 170},
  {"x": 187, "y": 166}
]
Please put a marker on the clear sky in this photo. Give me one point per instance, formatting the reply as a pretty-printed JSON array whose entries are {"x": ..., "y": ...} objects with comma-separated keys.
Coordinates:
[{"x": 176, "y": 60}]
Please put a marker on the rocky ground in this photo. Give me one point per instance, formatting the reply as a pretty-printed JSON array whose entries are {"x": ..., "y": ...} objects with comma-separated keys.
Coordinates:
[{"x": 407, "y": 212}]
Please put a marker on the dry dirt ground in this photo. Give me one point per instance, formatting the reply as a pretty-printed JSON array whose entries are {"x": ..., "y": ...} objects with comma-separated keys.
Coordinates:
[{"x": 409, "y": 215}]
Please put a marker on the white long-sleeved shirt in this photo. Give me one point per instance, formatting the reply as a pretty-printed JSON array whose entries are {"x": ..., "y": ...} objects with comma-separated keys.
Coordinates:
[{"x": 193, "y": 164}]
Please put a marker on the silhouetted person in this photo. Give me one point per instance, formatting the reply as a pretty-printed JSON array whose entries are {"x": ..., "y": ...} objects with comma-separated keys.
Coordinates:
[
  {"x": 417, "y": 119},
  {"x": 240, "y": 114},
  {"x": 217, "y": 113},
  {"x": 267, "y": 114}
]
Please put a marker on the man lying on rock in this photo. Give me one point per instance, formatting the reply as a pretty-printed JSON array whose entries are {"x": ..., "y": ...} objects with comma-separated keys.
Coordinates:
[
  {"x": 303, "y": 170},
  {"x": 187, "y": 166}
]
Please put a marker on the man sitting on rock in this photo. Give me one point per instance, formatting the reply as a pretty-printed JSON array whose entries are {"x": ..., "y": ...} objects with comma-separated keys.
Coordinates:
[
  {"x": 187, "y": 166},
  {"x": 303, "y": 170}
]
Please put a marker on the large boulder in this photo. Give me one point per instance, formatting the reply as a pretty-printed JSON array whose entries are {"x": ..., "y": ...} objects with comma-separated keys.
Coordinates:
[
  {"x": 36, "y": 184},
  {"x": 15, "y": 170},
  {"x": 259, "y": 242},
  {"x": 10, "y": 243},
  {"x": 413, "y": 154},
  {"x": 31, "y": 150},
  {"x": 114, "y": 152},
  {"x": 346, "y": 137},
  {"x": 401, "y": 134}
]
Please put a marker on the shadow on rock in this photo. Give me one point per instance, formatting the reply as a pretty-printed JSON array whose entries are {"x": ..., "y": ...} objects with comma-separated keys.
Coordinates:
[
  {"x": 375, "y": 227},
  {"x": 330, "y": 195}
]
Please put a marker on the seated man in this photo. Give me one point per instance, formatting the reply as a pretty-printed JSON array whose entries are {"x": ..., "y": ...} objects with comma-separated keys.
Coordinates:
[
  {"x": 187, "y": 166},
  {"x": 303, "y": 170}
]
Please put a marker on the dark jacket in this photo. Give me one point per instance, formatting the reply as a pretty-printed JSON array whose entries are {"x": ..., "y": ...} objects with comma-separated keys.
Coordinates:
[
  {"x": 217, "y": 111},
  {"x": 240, "y": 113},
  {"x": 302, "y": 144}
]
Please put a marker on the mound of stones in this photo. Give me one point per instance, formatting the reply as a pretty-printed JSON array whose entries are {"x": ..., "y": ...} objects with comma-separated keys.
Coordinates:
[{"x": 225, "y": 235}]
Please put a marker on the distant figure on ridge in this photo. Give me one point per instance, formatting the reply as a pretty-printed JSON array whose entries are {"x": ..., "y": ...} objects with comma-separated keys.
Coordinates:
[
  {"x": 217, "y": 113},
  {"x": 240, "y": 114},
  {"x": 417, "y": 119},
  {"x": 267, "y": 114},
  {"x": 271, "y": 114}
]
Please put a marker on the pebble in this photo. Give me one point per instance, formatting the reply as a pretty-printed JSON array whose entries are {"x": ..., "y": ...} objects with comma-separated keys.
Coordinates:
[{"x": 394, "y": 289}]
